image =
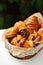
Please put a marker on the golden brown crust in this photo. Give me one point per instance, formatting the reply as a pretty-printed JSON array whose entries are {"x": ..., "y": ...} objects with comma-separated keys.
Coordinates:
[
  {"x": 28, "y": 44},
  {"x": 11, "y": 32},
  {"x": 18, "y": 41},
  {"x": 32, "y": 23},
  {"x": 40, "y": 32},
  {"x": 35, "y": 37},
  {"x": 42, "y": 24}
]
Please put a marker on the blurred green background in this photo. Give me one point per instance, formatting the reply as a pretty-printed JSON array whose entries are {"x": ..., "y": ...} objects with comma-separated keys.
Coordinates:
[{"x": 12, "y": 11}]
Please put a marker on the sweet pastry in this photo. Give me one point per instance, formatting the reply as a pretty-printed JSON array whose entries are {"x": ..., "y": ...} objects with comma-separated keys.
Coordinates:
[
  {"x": 32, "y": 23},
  {"x": 35, "y": 37},
  {"x": 18, "y": 41},
  {"x": 42, "y": 24},
  {"x": 10, "y": 32},
  {"x": 28, "y": 44},
  {"x": 25, "y": 38},
  {"x": 40, "y": 32}
]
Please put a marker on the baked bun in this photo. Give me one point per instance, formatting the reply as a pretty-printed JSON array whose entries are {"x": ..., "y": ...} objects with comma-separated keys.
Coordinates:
[
  {"x": 10, "y": 32},
  {"x": 18, "y": 41},
  {"x": 42, "y": 24},
  {"x": 35, "y": 37},
  {"x": 32, "y": 23},
  {"x": 40, "y": 32}
]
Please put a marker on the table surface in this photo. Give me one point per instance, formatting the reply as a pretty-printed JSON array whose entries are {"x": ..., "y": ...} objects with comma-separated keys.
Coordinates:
[{"x": 7, "y": 59}]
